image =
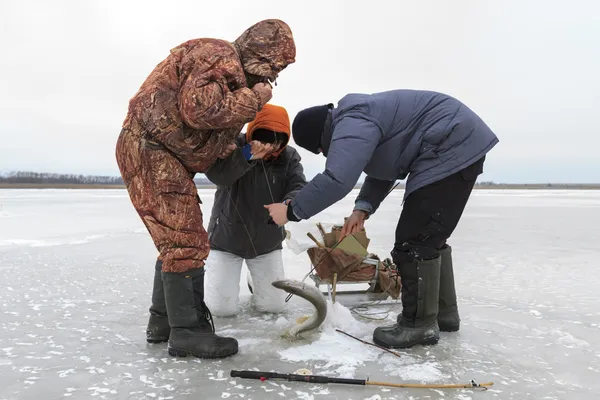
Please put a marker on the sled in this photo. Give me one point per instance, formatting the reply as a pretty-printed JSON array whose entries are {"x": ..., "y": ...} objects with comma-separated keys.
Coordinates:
[{"x": 352, "y": 275}]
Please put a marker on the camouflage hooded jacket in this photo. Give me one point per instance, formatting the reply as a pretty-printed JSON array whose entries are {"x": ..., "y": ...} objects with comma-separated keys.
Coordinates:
[{"x": 197, "y": 100}]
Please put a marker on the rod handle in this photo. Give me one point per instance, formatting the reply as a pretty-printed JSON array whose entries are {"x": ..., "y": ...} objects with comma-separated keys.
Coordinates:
[
  {"x": 253, "y": 374},
  {"x": 260, "y": 375}
]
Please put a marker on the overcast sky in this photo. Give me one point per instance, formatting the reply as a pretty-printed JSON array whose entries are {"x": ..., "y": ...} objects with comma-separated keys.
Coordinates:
[{"x": 529, "y": 68}]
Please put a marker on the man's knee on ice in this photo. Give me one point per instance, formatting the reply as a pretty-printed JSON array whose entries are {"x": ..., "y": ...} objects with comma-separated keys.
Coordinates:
[
  {"x": 264, "y": 270},
  {"x": 269, "y": 302},
  {"x": 221, "y": 283},
  {"x": 221, "y": 297}
]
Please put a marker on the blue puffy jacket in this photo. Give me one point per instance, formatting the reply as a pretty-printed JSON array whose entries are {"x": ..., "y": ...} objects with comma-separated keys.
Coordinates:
[{"x": 424, "y": 135}]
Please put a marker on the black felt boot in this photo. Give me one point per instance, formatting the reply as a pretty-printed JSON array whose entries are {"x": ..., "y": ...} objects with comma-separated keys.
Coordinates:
[
  {"x": 418, "y": 322},
  {"x": 192, "y": 328},
  {"x": 158, "y": 329},
  {"x": 448, "y": 319}
]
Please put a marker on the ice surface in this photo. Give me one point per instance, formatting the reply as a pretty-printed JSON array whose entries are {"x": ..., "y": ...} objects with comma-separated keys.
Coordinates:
[{"x": 77, "y": 270}]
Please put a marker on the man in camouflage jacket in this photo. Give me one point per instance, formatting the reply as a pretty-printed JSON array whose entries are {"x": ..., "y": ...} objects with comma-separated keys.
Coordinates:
[{"x": 185, "y": 116}]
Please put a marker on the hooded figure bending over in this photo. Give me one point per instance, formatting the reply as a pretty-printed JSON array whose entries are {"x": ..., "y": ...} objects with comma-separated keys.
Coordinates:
[
  {"x": 437, "y": 142},
  {"x": 186, "y": 115}
]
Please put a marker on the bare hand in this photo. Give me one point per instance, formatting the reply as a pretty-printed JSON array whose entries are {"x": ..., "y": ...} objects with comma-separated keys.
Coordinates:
[
  {"x": 278, "y": 212},
  {"x": 354, "y": 224},
  {"x": 264, "y": 91},
  {"x": 228, "y": 150},
  {"x": 260, "y": 150}
]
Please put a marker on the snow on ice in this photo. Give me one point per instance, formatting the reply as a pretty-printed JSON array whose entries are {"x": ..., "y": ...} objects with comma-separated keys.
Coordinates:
[{"x": 78, "y": 265}]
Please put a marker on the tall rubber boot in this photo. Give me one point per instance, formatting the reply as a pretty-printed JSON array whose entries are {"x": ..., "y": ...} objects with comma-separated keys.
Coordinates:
[
  {"x": 420, "y": 294},
  {"x": 448, "y": 318},
  {"x": 192, "y": 328},
  {"x": 158, "y": 329}
]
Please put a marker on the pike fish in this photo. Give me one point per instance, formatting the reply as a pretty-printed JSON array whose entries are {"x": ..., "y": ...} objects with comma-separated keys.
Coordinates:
[{"x": 310, "y": 293}]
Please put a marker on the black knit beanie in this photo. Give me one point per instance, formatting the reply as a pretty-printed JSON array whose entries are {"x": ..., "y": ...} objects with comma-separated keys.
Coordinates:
[{"x": 308, "y": 127}]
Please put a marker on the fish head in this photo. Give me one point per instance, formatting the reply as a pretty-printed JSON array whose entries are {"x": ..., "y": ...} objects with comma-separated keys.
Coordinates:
[{"x": 292, "y": 286}]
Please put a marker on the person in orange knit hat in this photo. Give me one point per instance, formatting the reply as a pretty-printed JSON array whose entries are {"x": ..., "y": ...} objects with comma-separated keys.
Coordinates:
[{"x": 264, "y": 168}]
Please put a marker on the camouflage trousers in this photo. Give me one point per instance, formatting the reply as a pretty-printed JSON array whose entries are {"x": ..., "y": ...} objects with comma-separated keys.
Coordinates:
[{"x": 165, "y": 197}]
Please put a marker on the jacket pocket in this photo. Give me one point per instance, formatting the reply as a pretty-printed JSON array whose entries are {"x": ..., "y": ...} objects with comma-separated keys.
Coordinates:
[
  {"x": 274, "y": 180},
  {"x": 428, "y": 151},
  {"x": 268, "y": 237},
  {"x": 223, "y": 232}
]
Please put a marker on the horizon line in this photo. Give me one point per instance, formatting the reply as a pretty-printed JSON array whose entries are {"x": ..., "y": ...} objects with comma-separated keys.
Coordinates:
[{"x": 401, "y": 182}]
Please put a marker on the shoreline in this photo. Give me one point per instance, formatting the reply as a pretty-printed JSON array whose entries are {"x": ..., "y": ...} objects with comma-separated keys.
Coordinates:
[{"x": 513, "y": 186}]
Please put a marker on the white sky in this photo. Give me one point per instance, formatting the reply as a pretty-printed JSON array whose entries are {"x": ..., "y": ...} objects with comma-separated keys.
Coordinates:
[{"x": 529, "y": 68}]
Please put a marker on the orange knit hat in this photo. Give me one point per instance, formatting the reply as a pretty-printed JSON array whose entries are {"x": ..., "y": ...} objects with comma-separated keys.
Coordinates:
[{"x": 273, "y": 118}]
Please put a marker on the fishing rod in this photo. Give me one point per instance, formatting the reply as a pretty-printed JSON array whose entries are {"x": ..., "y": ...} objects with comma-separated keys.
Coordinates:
[
  {"x": 240, "y": 215},
  {"x": 263, "y": 376}
]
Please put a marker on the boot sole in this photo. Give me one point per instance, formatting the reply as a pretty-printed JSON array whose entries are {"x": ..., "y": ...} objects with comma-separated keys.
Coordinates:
[
  {"x": 450, "y": 328},
  {"x": 184, "y": 353},
  {"x": 426, "y": 342},
  {"x": 157, "y": 340}
]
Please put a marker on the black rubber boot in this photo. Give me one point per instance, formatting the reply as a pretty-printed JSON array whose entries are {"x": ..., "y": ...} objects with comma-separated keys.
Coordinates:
[
  {"x": 158, "y": 329},
  {"x": 418, "y": 322},
  {"x": 192, "y": 328},
  {"x": 448, "y": 318}
]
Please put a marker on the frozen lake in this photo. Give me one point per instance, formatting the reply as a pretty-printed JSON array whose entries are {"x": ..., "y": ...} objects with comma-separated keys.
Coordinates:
[{"x": 77, "y": 269}]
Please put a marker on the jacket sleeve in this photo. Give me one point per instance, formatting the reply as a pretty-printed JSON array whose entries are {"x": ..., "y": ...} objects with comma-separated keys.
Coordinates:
[
  {"x": 225, "y": 172},
  {"x": 353, "y": 142},
  {"x": 295, "y": 177},
  {"x": 205, "y": 98},
  {"x": 372, "y": 194}
]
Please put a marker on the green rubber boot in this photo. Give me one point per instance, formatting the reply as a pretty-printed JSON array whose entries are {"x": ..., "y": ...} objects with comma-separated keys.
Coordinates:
[
  {"x": 448, "y": 318},
  {"x": 420, "y": 295},
  {"x": 158, "y": 329},
  {"x": 192, "y": 328}
]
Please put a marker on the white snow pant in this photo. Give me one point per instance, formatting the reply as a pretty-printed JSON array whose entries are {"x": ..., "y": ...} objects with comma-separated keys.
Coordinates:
[{"x": 222, "y": 282}]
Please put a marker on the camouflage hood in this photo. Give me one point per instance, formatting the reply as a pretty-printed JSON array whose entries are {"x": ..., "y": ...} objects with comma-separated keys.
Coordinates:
[{"x": 266, "y": 48}]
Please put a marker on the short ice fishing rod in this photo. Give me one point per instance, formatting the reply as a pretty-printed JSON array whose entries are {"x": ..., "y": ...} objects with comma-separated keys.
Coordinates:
[{"x": 263, "y": 376}]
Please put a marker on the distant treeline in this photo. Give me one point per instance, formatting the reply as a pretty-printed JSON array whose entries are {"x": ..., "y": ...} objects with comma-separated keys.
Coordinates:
[
  {"x": 46, "y": 178},
  {"x": 28, "y": 179},
  {"x": 59, "y": 179},
  {"x": 570, "y": 186}
]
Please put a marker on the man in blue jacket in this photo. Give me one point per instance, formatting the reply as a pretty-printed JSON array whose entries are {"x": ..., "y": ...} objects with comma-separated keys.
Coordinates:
[{"x": 440, "y": 145}]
